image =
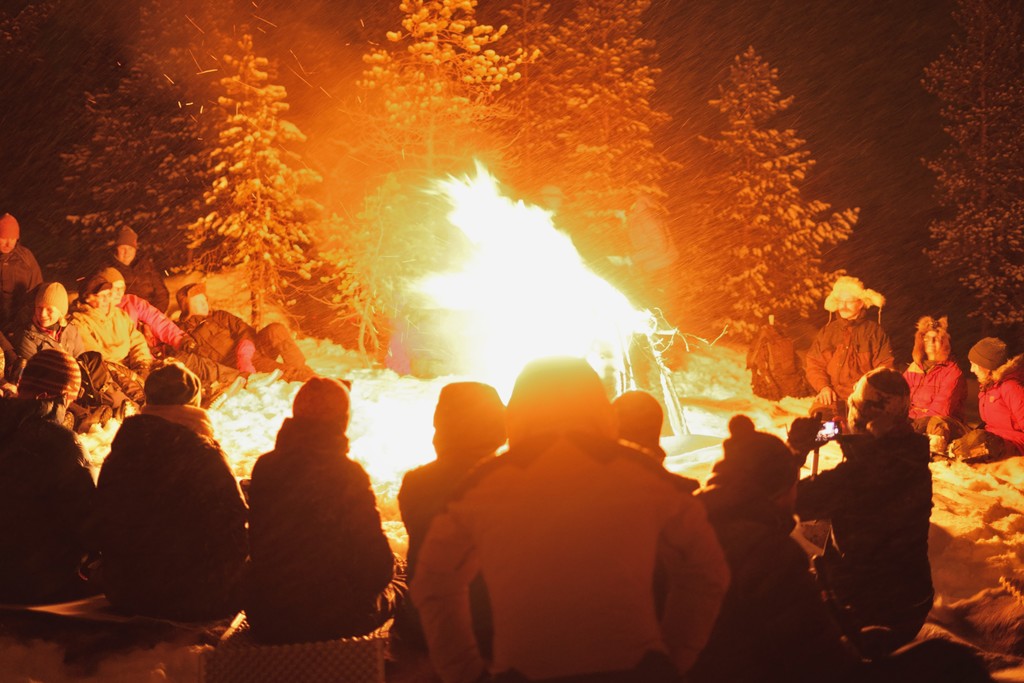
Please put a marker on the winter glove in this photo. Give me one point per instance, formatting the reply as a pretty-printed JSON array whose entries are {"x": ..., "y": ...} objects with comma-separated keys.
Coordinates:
[
  {"x": 246, "y": 350},
  {"x": 189, "y": 344}
]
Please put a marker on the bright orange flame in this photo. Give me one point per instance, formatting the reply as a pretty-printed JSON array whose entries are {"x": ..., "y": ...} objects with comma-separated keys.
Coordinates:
[{"x": 525, "y": 292}]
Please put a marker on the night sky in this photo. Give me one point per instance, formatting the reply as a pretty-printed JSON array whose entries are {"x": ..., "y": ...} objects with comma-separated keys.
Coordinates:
[{"x": 853, "y": 66}]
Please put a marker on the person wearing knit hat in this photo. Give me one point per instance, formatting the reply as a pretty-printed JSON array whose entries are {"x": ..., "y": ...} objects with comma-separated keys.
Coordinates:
[
  {"x": 640, "y": 419},
  {"x": 469, "y": 427},
  {"x": 875, "y": 565},
  {"x": 49, "y": 328},
  {"x": 50, "y": 374},
  {"x": 141, "y": 275},
  {"x": 938, "y": 387},
  {"x": 19, "y": 276},
  {"x": 1000, "y": 404},
  {"x": 321, "y": 564},
  {"x": 849, "y": 345},
  {"x": 171, "y": 518},
  {"x": 568, "y": 528},
  {"x": 109, "y": 331},
  {"x": 772, "y": 601}
]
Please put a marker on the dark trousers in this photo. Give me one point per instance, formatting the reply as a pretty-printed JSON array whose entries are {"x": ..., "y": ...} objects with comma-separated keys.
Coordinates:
[{"x": 275, "y": 341}]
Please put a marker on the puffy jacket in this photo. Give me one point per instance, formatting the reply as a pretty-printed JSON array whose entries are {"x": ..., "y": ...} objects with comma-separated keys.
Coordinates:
[
  {"x": 320, "y": 559},
  {"x": 19, "y": 275},
  {"x": 566, "y": 530},
  {"x": 113, "y": 335},
  {"x": 938, "y": 390},
  {"x": 218, "y": 334},
  {"x": 162, "y": 327},
  {"x": 844, "y": 350},
  {"x": 1001, "y": 402},
  {"x": 65, "y": 338},
  {"x": 46, "y": 501},
  {"x": 170, "y": 523}
]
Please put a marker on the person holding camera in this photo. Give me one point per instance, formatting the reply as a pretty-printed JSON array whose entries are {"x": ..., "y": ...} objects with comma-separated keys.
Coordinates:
[
  {"x": 848, "y": 346},
  {"x": 874, "y": 568}
]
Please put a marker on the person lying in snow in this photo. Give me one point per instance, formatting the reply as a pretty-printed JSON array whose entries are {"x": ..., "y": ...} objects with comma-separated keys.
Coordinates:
[
  {"x": 469, "y": 427},
  {"x": 170, "y": 515},
  {"x": 46, "y": 490},
  {"x": 321, "y": 564},
  {"x": 874, "y": 567},
  {"x": 1000, "y": 405},
  {"x": 229, "y": 340},
  {"x": 566, "y": 529},
  {"x": 846, "y": 348},
  {"x": 938, "y": 387}
]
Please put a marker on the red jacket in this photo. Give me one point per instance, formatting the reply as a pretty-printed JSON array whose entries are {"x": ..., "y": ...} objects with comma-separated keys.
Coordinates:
[
  {"x": 844, "y": 350},
  {"x": 162, "y": 327},
  {"x": 1001, "y": 402},
  {"x": 939, "y": 390}
]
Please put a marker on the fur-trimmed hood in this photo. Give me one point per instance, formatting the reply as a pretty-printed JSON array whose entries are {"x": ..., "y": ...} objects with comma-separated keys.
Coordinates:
[{"x": 1011, "y": 369}]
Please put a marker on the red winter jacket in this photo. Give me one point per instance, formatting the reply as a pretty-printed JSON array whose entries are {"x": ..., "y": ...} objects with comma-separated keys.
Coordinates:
[
  {"x": 162, "y": 327},
  {"x": 939, "y": 390},
  {"x": 1001, "y": 402}
]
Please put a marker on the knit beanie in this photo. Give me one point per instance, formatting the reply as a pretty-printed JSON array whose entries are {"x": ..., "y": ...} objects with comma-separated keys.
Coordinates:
[
  {"x": 9, "y": 228},
  {"x": 127, "y": 237},
  {"x": 640, "y": 418},
  {"x": 469, "y": 418},
  {"x": 989, "y": 353},
  {"x": 49, "y": 374},
  {"x": 94, "y": 284},
  {"x": 558, "y": 395},
  {"x": 757, "y": 459},
  {"x": 879, "y": 403},
  {"x": 173, "y": 384},
  {"x": 324, "y": 399},
  {"x": 847, "y": 287},
  {"x": 53, "y": 294},
  {"x": 185, "y": 293},
  {"x": 111, "y": 275}
]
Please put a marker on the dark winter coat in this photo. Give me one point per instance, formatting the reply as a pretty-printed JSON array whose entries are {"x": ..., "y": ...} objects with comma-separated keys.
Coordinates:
[
  {"x": 46, "y": 500},
  {"x": 773, "y": 625},
  {"x": 1001, "y": 403},
  {"x": 940, "y": 390},
  {"x": 171, "y": 523},
  {"x": 141, "y": 278},
  {"x": 879, "y": 499},
  {"x": 320, "y": 559},
  {"x": 218, "y": 335},
  {"x": 19, "y": 275},
  {"x": 844, "y": 350},
  {"x": 65, "y": 338}
]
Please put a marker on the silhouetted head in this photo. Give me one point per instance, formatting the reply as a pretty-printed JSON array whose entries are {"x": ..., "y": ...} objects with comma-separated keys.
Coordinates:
[
  {"x": 324, "y": 399},
  {"x": 469, "y": 421},
  {"x": 172, "y": 384},
  {"x": 559, "y": 395},
  {"x": 755, "y": 460},
  {"x": 640, "y": 418}
]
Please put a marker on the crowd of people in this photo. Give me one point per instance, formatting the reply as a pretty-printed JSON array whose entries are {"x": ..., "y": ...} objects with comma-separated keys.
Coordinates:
[{"x": 547, "y": 542}]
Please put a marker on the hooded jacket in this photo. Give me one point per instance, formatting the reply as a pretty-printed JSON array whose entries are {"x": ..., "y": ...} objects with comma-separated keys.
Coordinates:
[
  {"x": 46, "y": 501},
  {"x": 939, "y": 389},
  {"x": 113, "y": 335},
  {"x": 1001, "y": 402},
  {"x": 844, "y": 350},
  {"x": 320, "y": 559}
]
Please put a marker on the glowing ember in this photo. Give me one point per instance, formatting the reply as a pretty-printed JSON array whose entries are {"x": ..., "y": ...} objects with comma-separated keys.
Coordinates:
[{"x": 524, "y": 292}]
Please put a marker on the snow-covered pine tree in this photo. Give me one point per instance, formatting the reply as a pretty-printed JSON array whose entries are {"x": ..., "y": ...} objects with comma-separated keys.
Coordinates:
[
  {"x": 592, "y": 119},
  {"x": 979, "y": 81},
  {"x": 259, "y": 206},
  {"x": 773, "y": 237},
  {"x": 432, "y": 92}
]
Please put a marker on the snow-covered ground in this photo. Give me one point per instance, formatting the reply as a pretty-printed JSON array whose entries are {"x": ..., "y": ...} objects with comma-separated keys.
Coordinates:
[{"x": 977, "y": 521}]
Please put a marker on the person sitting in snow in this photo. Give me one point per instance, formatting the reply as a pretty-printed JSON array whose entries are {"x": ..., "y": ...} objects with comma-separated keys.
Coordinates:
[
  {"x": 846, "y": 348},
  {"x": 1000, "y": 404},
  {"x": 141, "y": 275},
  {"x": 229, "y": 340},
  {"x": 772, "y": 603},
  {"x": 322, "y": 567},
  {"x": 938, "y": 387},
  {"x": 469, "y": 427},
  {"x": 170, "y": 515},
  {"x": 566, "y": 528},
  {"x": 19, "y": 276},
  {"x": 46, "y": 490},
  {"x": 874, "y": 567}
]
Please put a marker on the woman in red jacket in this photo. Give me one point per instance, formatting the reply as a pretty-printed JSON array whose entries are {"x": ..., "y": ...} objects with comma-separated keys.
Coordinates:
[
  {"x": 938, "y": 387},
  {"x": 1000, "y": 397}
]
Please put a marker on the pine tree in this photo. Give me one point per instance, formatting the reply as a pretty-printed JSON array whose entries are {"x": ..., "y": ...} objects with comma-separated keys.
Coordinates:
[
  {"x": 979, "y": 81},
  {"x": 593, "y": 120},
  {"x": 776, "y": 236},
  {"x": 259, "y": 206}
]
